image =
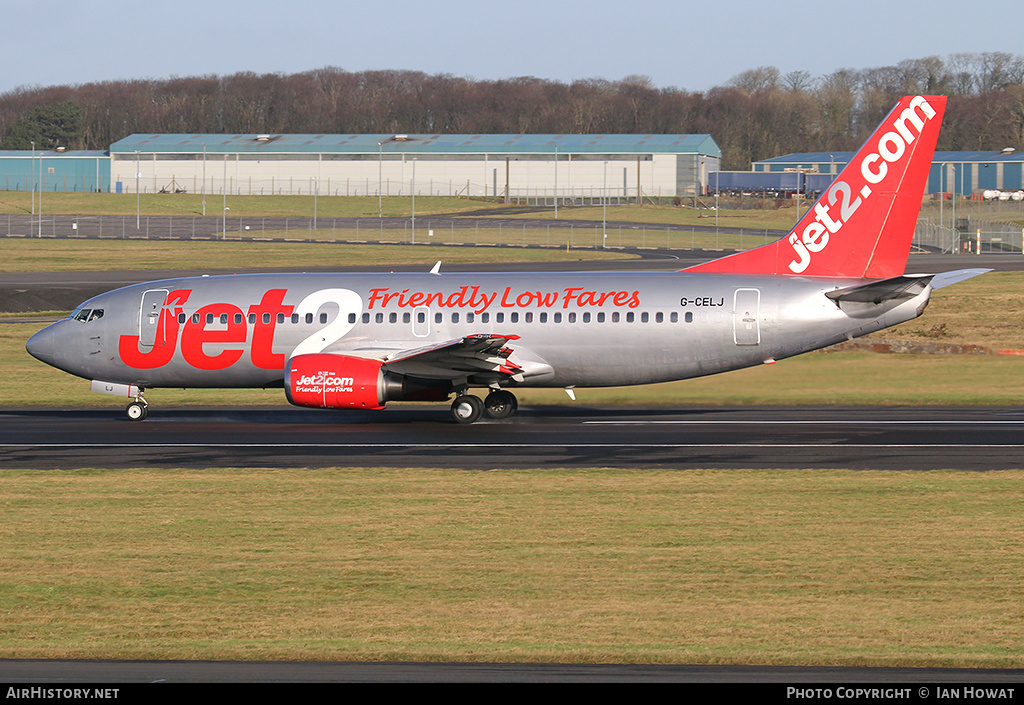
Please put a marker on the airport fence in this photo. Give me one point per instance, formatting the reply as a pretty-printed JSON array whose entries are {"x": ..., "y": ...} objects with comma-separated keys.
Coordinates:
[
  {"x": 442, "y": 231},
  {"x": 970, "y": 235}
]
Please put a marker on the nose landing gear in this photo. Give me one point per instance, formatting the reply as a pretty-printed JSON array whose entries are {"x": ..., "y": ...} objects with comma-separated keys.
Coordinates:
[{"x": 137, "y": 410}]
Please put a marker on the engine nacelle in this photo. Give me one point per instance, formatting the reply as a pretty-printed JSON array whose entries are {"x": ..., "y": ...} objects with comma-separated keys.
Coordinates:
[
  {"x": 335, "y": 382},
  {"x": 342, "y": 382}
]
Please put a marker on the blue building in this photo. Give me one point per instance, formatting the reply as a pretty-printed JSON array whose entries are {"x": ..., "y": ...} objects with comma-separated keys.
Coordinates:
[
  {"x": 963, "y": 173},
  {"x": 64, "y": 171}
]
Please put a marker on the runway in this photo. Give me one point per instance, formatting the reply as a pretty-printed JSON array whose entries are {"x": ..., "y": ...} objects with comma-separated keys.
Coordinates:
[{"x": 868, "y": 438}]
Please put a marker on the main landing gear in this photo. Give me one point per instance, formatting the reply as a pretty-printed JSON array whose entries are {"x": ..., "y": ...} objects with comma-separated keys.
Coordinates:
[{"x": 499, "y": 404}]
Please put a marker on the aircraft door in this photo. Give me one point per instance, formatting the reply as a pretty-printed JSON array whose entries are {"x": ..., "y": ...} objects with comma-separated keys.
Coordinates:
[
  {"x": 149, "y": 315},
  {"x": 746, "y": 317}
]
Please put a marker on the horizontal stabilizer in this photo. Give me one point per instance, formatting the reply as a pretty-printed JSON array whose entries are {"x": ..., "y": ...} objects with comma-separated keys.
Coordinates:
[
  {"x": 903, "y": 287},
  {"x": 954, "y": 277}
]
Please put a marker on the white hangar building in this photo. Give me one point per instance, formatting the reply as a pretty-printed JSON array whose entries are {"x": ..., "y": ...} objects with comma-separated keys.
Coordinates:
[{"x": 575, "y": 167}]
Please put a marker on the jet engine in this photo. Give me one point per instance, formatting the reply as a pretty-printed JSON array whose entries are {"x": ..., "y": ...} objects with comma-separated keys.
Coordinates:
[{"x": 343, "y": 382}]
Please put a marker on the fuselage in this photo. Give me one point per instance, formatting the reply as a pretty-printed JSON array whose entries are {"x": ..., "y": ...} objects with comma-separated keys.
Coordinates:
[{"x": 574, "y": 330}]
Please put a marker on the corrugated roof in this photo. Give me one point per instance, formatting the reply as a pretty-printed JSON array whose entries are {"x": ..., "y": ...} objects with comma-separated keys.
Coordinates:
[
  {"x": 413, "y": 144},
  {"x": 27, "y": 153}
]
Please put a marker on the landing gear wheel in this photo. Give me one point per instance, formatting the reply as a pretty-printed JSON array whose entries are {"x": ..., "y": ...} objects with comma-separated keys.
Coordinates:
[
  {"x": 500, "y": 404},
  {"x": 467, "y": 409},
  {"x": 137, "y": 411}
]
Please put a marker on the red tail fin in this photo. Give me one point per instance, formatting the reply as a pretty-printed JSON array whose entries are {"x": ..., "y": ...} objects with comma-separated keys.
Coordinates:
[{"x": 862, "y": 226}]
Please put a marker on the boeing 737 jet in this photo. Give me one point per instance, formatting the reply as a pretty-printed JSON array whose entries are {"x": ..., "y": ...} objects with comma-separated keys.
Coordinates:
[{"x": 362, "y": 340}]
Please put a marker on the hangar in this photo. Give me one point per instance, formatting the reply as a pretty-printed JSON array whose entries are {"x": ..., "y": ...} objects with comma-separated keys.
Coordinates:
[{"x": 533, "y": 167}]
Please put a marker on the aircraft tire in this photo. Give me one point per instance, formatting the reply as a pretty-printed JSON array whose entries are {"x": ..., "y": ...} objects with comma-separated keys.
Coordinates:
[
  {"x": 500, "y": 404},
  {"x": 137, "y": 411},
  {"x": 467, "y": 409}
]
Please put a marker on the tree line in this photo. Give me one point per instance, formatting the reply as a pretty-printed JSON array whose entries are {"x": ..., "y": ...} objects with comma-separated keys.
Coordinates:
[{"x": 758, "y": 114}]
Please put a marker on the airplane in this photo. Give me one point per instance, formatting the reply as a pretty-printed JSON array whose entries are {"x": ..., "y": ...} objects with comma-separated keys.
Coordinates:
[{"x": 358, "y": 341}]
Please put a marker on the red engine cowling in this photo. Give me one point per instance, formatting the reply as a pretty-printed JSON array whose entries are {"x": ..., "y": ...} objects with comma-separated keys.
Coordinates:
[{"x": 335, "y": 382}]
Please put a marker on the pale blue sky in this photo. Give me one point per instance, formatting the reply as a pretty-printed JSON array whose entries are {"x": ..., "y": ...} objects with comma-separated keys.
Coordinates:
[{"x": 683, "y": 44}]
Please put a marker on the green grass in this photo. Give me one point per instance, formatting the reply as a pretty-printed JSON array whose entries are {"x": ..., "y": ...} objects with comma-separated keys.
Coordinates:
[
  {"x": 53, "y": 255},
  {"x": 592, "y": 566}
]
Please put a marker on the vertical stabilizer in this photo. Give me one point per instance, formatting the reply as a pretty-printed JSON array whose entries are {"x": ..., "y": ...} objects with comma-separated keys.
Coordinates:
[{"x": 863, "y": 225}]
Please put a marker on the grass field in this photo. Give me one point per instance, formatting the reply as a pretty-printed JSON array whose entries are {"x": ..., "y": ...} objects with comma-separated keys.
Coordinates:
[
  {"x": 50, "y": 255},
  {"x": 648, "y": 566}
]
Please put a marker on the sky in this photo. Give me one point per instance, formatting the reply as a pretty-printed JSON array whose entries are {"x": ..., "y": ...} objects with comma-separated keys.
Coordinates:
[{"x": 682, "y": 44}]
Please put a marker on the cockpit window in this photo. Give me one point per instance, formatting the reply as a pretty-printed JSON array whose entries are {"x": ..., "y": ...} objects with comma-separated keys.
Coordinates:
[{"x": 87, "y": 314}]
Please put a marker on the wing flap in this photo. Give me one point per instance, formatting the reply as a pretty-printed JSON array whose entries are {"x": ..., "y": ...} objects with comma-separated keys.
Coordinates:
[{"x": 481, "y": 359}]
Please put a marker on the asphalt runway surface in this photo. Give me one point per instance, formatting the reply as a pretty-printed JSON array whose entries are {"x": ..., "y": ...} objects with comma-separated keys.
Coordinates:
[
  {"x": 578, "y": 436},
  {"x": 19, "y": 671}
]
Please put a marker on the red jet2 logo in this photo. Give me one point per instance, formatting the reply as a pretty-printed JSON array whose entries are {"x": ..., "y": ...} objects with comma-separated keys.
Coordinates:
[
  {"x": 874, "y": 167},
  {"x": 194, "y": 334}
]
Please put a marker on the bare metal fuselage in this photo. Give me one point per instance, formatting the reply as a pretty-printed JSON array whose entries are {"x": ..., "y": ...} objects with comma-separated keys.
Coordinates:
[{"x": 574, "y": 330}]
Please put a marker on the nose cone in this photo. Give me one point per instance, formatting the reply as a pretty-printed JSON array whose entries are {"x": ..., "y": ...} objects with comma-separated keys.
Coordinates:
[{"x": 43, "y": 345}]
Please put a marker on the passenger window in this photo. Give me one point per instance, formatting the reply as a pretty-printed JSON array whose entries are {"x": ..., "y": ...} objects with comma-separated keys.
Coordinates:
[
  {"x": 659, "y": 317},
  {"x": 600, "y": 317},
  {"x": 323, "y": 318},
  {"x": 295, "y": 318},
  {"x": 238, "y": 319},
  {"x": 544, "y": 317},
  {"x": 529, "y": 317},
  {"x": 469, "y": 318},
  {"x": 309, "y": 318},
  {"x": 629, "y": 317},
  {"x": 499, "y": 318},
  {"x": 351, "y": 318},
  {"x": 514, "y": 318},
  {"x": 380, "y": 318},
  {"x": 280, "y": 318},
  {"x": 438, "y": 317},
  {"x": 615, "y": 316},
  {"x": 455, "y": 318},
  {"x": 572, "y": 317},
  {"x": 674, "y": 317},
  {"x": 558, "y": 318},
  {"x": 195, "y": 318},
  {"x": 586, "y": 317},
  {"x": 689, "y": 316},
  {"x": 645, "y": 317},
  {"x": 485, "y": 317},
  {"x": 393, "y": 318},
  {"x": 406, "y": 318},
  {"x": 252, "y": 318},
  {"x": 366, "y": 318}
]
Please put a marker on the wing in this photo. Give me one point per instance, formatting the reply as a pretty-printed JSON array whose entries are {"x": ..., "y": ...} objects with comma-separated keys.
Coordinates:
[{"x": 481, "y": 359}]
